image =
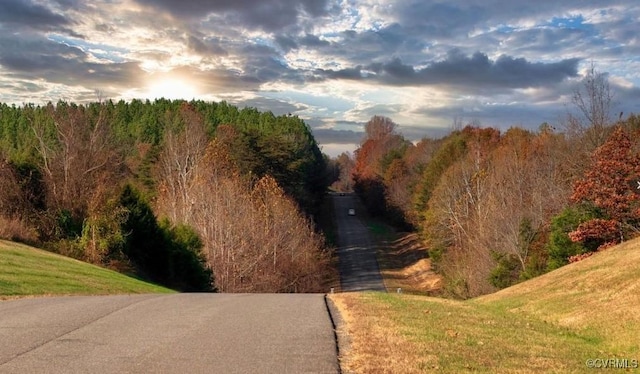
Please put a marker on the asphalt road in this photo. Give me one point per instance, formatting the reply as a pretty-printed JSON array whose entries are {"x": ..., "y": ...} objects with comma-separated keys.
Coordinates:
[
  {"x": 187, "y": 333},
  {"x": 358, "y": 265},
  {"x": 181, "y": 333}
]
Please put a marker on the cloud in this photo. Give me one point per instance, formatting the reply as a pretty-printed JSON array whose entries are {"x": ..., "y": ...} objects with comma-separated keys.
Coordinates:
[
  {"x": 218, "y": 81},
  {"x": 506, "y": 71},
  {"x": 441, "y": 20},
  {"x": 502, "y": 115},
  {"x": 55, "y": 62},
  {"x": 369, "y": 110},
  {"x": 334, "y": 62},
  {"x": 415, "y": 133},
  {"x": 21, "y": 14},
  {"x": 270, "y": 15},
  {"x": 476, "y": 71},
  {"x": 277, "y": 107},
  {"x": 206, "y": 46},
  {"x": 456, "y": 19},
  {"x": 337, "y": 136},
  {"x": 290, "y": 42}
]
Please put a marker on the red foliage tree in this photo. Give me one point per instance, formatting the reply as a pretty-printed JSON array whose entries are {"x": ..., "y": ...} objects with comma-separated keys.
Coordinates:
[
  {"x": 365, "y": 161},
  {"x": 609, "y": 186},
  {"x": 380, "y": 139}
]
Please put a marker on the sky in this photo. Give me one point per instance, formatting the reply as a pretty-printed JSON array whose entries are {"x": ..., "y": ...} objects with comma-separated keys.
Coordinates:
[{"x": 427, "y": 65}]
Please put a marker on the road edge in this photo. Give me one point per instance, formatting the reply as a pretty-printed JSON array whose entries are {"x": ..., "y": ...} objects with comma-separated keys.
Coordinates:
[{"x": 339, "y": 336}]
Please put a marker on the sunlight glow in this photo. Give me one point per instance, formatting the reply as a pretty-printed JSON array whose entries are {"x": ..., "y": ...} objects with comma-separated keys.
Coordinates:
[{"x": 172, "y": 88}]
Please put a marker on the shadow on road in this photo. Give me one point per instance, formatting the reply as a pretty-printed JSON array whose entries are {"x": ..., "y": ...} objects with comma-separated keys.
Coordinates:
[{"x": 358, "y": 265}]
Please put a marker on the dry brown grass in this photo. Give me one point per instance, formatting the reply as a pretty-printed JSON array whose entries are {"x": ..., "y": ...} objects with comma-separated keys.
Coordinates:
[
  {"x": 600, "y": 293},
  {"x": 17, "y": 230},
  {"x": 393, "y": 333},
  {"x": 404, "y": 264},
  {"x": 375, "y": 343}
]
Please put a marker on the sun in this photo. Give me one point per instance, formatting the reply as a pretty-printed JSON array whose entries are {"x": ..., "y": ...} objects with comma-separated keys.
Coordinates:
[{"x": 172, "y": 88}]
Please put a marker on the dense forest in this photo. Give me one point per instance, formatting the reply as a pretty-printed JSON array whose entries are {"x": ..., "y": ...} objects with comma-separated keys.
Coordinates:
[
  {"x": 495, "y": 208},
  {"x": 203, "y": 196},
  {"x": 194, "y": 195}
]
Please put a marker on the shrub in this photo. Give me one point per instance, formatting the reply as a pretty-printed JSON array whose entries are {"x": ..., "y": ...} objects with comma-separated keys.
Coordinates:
[
  {"x": 506, "y": 271},
  {"x": 17, "y": 230},
  {"x": 560, "y": 246},
  {"x": 102, "y": 237},
  {"x": 188, "y": 264},
  {"x": 169, "y": 256}
]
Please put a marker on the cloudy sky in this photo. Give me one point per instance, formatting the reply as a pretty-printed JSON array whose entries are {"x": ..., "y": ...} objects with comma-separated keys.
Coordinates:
[{"x": 334, "y": 63}]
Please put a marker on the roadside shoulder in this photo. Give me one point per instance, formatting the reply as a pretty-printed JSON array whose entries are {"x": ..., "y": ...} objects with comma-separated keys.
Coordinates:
[{"x": 342, "y": 339}]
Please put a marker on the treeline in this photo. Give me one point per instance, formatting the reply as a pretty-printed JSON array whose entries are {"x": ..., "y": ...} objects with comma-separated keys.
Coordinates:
[
  {"x": 194, "y": 195},
  {"x": 497, "y": 208}
]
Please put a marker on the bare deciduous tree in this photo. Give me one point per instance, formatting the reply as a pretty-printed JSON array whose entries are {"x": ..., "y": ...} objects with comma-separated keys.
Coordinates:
[
  {"x": 379, "y": 127},
  {"x": 594, "y": 101},
  {"x": 255, "y": 239},
  {"x": 185, "y": 142},
  {"x": 527, "y": 189},
  {"x": 78, "y": 153},
  {"x": 345, "y": 165},
  {"x": 491, "y": 205},
  {"x": 9, "y": 189}
]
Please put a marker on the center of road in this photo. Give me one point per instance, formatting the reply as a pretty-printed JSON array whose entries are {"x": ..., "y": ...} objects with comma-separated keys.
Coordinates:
[{"x": 358, "y": 265}]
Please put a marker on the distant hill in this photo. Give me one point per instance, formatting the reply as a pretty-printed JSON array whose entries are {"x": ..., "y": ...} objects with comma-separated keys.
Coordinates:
[{"x": 26, "y": 271}]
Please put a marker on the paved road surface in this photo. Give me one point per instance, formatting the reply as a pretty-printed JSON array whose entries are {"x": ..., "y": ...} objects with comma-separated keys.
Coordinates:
[
  {"x": 357, "y": 260},
  {"x": 183, "y": 333},
  {"x": 187, "y": 333}
]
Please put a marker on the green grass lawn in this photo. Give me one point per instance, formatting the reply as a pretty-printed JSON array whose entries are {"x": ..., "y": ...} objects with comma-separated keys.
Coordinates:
[
  {"x": 553, "y": 323},
  {"x": 28, "y": 271}
]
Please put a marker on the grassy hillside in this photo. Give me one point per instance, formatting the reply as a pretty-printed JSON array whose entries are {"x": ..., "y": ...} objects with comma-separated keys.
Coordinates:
[
  {"x": 27, "y": 271},
  {"x": 600, "y": 294},
  {"x": 554, "y": 323}
]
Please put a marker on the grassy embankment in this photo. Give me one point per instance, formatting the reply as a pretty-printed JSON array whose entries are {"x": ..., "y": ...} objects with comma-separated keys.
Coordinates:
[
  {"x": 27, "y": 271},
  {"x": 554, "y": 323}
]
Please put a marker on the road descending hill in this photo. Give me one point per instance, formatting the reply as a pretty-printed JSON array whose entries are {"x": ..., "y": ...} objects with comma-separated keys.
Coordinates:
[
  {"x": 357, "y": 262},
  {"x": 151, "y": 333},
  {"x": 179, "y": 333}
]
